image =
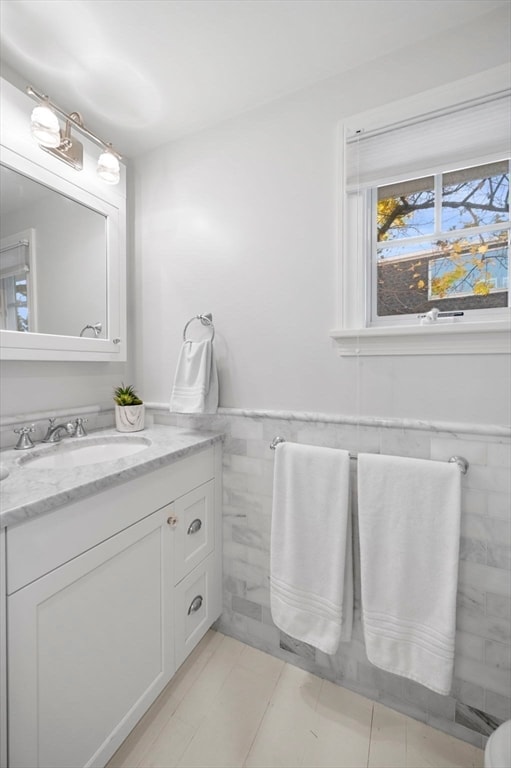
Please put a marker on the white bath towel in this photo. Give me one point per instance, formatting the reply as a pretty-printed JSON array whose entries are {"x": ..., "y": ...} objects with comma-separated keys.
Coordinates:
[
  {"x": 409, "y": 522},
  {"x": 195, "y": 387},
  {"x": 311, "y": 576}
]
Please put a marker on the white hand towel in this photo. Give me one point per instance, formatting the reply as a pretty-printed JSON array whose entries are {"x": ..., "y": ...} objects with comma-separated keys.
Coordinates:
[
  {"x": 195, "y": 387},
  {"x": 311, "y": 577},
  {"x": 409, "y": 522}
]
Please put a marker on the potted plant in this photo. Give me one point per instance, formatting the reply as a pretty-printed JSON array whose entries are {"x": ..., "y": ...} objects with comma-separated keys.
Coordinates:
[{"x": 129, "y": 409}]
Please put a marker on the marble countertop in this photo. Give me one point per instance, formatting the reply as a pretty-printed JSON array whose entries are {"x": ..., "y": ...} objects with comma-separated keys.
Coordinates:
[{"x": 28, "y": 491}]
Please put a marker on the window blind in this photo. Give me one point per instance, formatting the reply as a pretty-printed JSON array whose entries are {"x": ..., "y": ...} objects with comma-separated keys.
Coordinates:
[
  {"x": 478, "y": 131},
  {"x": 14, "y": 259}
]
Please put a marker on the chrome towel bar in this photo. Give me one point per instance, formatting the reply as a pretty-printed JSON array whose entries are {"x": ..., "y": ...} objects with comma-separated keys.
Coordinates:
[{"x": 462, "y": 463}]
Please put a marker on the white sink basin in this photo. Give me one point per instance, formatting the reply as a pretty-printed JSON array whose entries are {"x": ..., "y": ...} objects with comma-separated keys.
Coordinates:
[
  {"x": 73, "y": 454},
  {"x": 3, "y": 473}
]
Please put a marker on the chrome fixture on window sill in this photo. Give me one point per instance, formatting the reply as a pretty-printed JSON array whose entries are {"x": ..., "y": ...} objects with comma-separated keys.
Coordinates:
[
  {"x": 96, "y": 329},
  {"x": 435, "y": 314},
  {"x": 59, "y": 142}
]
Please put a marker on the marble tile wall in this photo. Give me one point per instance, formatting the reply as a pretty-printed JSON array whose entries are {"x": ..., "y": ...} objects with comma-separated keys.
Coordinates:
[{"x": 480, "y": 698}]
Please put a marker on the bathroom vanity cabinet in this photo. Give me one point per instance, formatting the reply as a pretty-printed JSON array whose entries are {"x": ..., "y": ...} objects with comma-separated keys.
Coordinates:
[{"x": 105, "y": 599}]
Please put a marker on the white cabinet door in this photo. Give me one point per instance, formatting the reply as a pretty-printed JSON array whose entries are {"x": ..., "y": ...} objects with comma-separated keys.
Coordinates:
[{"x": 90, "y": 647}]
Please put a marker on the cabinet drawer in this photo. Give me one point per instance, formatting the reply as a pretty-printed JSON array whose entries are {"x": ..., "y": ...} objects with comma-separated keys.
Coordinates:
[
  {"x": 197, "y": 604},
  {"x": 194, "y": 532}
]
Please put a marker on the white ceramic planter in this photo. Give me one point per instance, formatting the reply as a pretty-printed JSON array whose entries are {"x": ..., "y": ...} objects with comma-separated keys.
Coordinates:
[{"x": 129, "y": 418}]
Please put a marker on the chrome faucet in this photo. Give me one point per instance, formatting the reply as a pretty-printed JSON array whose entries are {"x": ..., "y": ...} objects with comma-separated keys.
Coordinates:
[
  {"x": 55, "y": 431},
  {"x": 24, "y": 440},
  {"x": 79, "y": 428}
]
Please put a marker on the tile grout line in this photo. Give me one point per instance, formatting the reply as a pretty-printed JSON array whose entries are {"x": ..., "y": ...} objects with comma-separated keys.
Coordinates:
[
  {"x": 140, "y": 763},
  {"x": 370, "y": 736},
  {"x": 263, "y": 715},
  {"x": 406, "y": 741},
  {"x": 153, "y": 741},
  {"x": 235, "y": 663},
  {"x": 323, "y": 680},
  {"x": 166, "y": 723},
  {"x": 204, "y": 717}
]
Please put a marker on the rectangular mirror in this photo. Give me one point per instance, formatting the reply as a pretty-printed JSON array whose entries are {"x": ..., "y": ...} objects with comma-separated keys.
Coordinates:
[
  {"x": 46, "y": 241},
  {"x": 62, "y": 250}
]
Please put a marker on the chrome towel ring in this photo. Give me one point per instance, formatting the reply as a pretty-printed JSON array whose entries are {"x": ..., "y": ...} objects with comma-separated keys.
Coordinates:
[{"x": 205, "y": 320}]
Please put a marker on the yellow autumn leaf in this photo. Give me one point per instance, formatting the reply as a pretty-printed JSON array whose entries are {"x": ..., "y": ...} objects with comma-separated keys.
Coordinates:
[
  {"x": 482, "y": 249},
  {"x": 437, "y": 287},
  {"x": 481, "y": 288},
  {"x": 421, "y": 284}
]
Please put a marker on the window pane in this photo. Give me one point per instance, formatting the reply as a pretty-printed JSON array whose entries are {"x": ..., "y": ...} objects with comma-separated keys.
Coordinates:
[
  {"x": 471, "y": 267},
  {"x": 475, "y": 197},
  {"x": 402, "y": 284},
  {"x": 406, "y": 209},
  {"x": 21, "y": 303},
  {"x": 455, "y": 274}
]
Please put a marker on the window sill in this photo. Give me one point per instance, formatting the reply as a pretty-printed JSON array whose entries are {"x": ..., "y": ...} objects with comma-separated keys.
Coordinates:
[{"x": 449, "y": 339}]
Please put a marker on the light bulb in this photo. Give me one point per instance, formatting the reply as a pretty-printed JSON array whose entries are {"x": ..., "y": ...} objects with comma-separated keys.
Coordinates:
[
  {"x": 45, "y": 126},
  {"x": 108, "y": 168}
]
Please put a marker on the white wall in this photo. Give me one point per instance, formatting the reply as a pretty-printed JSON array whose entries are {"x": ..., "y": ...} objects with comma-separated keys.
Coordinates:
[{"x": 241, "y": 221}]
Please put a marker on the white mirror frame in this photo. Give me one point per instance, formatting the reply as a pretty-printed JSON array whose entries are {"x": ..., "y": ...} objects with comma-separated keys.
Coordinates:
[{"x": 19, "y": 152}]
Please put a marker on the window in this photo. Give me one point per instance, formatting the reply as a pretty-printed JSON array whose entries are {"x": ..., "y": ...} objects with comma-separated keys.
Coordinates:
[
  {"x": 13, "y": 303},
  {"x": 441, "y": 241},
  {"x": 17, "y": 268},
  {"x": 426, "y": 231}
]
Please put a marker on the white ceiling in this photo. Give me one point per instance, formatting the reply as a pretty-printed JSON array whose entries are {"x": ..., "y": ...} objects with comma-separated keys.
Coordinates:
[{"x": 143, "y": 72}]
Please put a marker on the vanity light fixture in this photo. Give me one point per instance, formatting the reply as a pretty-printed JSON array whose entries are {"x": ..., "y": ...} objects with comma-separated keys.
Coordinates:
[
  {"x": 46, "y": 130},
  {"x": 108, "y": 166},
  {"x": 45, "y": 126}
]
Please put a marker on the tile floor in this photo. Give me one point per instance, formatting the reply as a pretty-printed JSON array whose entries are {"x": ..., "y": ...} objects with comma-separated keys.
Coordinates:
[{"x": 232, "y": 705}]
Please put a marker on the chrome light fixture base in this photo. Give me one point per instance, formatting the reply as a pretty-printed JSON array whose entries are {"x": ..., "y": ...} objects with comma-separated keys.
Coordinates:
[{"x": 70, "y": 151}]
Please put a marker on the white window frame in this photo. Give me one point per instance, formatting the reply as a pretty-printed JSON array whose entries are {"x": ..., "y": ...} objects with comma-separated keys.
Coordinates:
[
  {"x": 354, "y": 334},
  {"x": 27, "y": 236}
]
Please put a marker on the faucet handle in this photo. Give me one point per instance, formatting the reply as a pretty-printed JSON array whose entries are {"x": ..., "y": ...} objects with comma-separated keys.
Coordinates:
[
  {"x": 79, "y": 428},
  {"x": 48, "y": 431},
  {"x": 24, "y": 441}
]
